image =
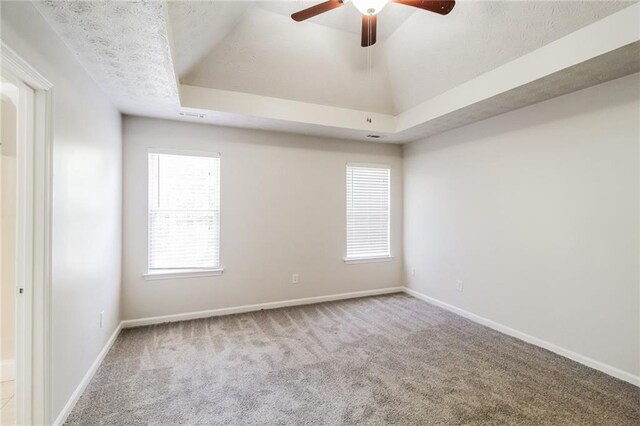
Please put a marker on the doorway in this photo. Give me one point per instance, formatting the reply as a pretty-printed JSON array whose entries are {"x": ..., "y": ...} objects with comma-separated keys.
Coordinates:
[
  {"x": 25, "y": 254},
  {"x": 16, "y": 262},
  {"x": 9, "y": 100}
]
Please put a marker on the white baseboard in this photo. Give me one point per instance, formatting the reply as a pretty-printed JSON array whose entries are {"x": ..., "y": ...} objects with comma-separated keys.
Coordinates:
[
  {"x": 589, "y": 362},
  {"x": 607, "y": 369},
  {"x": 258, "y": 307},
  {"x": 7, "y": 369},
  {"x": 62, "y": 417}
]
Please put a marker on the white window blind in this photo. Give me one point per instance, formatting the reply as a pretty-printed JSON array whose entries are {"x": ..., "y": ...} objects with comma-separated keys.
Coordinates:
[
  {"x": 367, "y": 211},
  {"x": 184, "y": 212}
]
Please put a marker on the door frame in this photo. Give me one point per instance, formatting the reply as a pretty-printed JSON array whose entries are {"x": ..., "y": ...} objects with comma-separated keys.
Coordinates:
[{"x": 34, "y": 243}]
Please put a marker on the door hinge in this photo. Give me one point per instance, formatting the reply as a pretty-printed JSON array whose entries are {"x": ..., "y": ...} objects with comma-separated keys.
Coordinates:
[{"x": 21, "y": 290}]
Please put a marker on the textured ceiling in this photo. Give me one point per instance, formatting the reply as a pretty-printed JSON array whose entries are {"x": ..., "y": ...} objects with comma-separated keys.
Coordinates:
[
  {"x": 124, "y": 46},
  {"x": 137, "y": 50}
]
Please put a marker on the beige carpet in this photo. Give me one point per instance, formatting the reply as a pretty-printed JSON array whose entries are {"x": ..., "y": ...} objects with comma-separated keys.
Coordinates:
[{"x": 378, "y": 360}]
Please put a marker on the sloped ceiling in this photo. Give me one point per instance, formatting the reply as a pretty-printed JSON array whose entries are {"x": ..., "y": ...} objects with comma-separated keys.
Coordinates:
[
  {"x": 198, "y": 27},
  {"x": 219, "y": 59},
  {"x": 321, "y": 61},
  {"x": 478, "y": 37},
  {"x": 269, "y": 54}
]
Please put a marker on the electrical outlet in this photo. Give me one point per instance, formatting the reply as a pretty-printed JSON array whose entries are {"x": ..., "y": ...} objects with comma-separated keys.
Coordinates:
[
  {"x": 294, "y": 279},
  {"x": 459, "y": 285},
  {"x": 101, "y": 319},
  {"x": 413, "y": 272}
]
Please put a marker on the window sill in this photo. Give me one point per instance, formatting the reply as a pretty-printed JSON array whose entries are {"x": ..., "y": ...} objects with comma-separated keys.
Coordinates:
[
  {"x": 182, "y": 273},
  {"x": 352, "y": 261}
]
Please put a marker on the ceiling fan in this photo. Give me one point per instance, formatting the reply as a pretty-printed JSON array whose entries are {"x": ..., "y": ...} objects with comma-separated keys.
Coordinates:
[{"x": 370, "y": 10}]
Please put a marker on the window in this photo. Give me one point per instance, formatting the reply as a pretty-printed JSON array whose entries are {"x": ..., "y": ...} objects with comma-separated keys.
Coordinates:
[
  {"x": 184, "y": 213},
  {"x": 368, "y": 212}
]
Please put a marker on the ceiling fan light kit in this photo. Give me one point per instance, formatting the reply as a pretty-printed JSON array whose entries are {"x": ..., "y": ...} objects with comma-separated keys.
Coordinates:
[{"x": 370, "y": 9}]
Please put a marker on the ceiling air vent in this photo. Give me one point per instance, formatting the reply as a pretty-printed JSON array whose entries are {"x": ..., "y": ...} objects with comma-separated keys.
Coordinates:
[
  {"x": 374, "y": 136},
  {"x": 191, "y": 114}
]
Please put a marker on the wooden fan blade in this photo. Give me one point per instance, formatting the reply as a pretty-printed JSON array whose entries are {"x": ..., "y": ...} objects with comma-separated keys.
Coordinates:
[
  {"x": 312, "y": 11},
  {"x": 442, "y": 7},
  {"x": 369, "y": 28}
]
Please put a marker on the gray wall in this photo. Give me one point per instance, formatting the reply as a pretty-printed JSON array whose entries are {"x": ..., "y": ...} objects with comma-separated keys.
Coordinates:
[
  {"x": 537, "y": 212},
  {"x": 283, "y": 201}
]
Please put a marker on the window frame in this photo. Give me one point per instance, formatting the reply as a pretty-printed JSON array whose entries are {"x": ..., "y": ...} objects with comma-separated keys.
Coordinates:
[
  {"x": 368, "y": 259},
  {"x": 175, "y": 273}
]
